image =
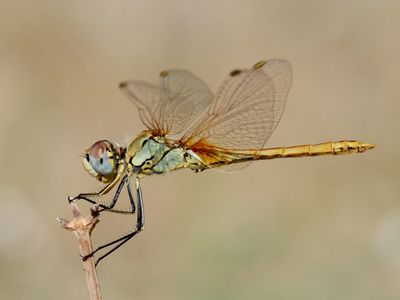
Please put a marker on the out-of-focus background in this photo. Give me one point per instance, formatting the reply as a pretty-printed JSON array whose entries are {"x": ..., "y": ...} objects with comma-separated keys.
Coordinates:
[{"x": 310, "y": 228}]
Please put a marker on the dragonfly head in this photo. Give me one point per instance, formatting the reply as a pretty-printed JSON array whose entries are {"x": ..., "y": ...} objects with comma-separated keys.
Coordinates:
[{"x": 101, "y": 160}]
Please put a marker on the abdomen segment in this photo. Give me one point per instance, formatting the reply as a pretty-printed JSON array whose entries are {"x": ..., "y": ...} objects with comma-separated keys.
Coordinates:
[
  {"x": 327, "y": 148},
  {"x": 215, "y": 157}
]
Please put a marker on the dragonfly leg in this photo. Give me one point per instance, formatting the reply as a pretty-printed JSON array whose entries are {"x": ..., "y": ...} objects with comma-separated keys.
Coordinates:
[
  {"x": 125, "y": 180},
  {"x": 116, "y": 195},
  {"x": 103, "y": 191},
  {"x": 131, "y": 199},
  {"x": 122, "y": 240}
]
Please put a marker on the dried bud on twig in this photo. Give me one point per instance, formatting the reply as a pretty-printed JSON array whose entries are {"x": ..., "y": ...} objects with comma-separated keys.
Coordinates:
[{"x": 83, "y": 226}]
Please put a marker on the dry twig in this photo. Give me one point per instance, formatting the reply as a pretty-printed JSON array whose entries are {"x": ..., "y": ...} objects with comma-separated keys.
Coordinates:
[{"x": 82, "y": 226}]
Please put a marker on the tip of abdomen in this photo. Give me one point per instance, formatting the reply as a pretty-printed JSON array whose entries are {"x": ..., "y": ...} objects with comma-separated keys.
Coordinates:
[{"x": 366, "y": 146}]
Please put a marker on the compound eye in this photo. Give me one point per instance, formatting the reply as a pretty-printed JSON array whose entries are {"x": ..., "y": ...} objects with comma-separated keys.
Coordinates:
[{"x": 101, "y": 157}]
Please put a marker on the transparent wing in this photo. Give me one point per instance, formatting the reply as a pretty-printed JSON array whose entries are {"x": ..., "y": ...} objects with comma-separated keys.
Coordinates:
[
  {"x": 172, "y": 106},
  {"x": 147, "y": 98},
  {"x": 247, "y": 108}
]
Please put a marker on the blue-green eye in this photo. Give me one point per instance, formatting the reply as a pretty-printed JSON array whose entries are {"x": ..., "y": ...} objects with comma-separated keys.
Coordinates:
[{"x": 101, "y": 158}]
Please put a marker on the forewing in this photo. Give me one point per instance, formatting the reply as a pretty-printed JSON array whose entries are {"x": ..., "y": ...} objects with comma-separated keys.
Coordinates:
[
  {"x": 186, "y": 97},
  {"x": 170, "y": 108},
  {"x": 147, "y": 97}
]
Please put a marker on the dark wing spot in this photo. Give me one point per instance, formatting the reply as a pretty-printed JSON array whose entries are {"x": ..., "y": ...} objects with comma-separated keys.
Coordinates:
[
  {"x": 235, "y": 72},
  {"x": 122, "y": 84},
  {"x": 163, "y": 74},
  {"x": 101, "y": 160}
]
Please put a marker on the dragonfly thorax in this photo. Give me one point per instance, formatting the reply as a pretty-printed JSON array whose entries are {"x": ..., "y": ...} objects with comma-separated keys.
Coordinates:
[{"x": 148, "y": 154}]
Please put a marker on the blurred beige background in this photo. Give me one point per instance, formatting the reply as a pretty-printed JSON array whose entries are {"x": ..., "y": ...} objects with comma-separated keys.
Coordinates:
[{"x": 321, "y": 228}]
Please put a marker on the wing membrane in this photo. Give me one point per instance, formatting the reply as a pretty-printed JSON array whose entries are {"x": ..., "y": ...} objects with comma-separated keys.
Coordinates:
[
  {"x": 147, "y": 99},
  {"x": 170, "y": 107},
  {"x": 247, "y": 108}
]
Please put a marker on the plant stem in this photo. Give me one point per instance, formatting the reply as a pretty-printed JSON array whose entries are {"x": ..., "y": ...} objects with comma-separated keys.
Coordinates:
[{"x": 82, "y": 226}]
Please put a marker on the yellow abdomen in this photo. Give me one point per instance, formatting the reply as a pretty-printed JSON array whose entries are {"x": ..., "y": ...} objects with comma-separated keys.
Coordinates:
[{"x": 327, "y": 148}]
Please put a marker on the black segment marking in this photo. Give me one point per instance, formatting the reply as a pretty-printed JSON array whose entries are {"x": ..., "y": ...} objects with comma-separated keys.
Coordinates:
[
  {"x": 151, "y": 138},
  {"x": 244, "y": 159},
  {"x": 162, "y": 157},
  {"x": 142, "y": 164},
  {"x": 144, "y": 142},
  {"x": 157, "y": 172}
]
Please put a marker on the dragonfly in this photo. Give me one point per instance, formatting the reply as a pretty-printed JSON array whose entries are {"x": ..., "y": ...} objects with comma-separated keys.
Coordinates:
[{"x": 189, "y": 127}]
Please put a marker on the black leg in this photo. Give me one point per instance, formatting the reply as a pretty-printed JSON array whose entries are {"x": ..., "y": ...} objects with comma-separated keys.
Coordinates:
[
  {"x": 104, "y": 207},
  {"x": 89, "y": 200},
  {"x": 103, "y": 191},
  {"x": 124, "y": 239},
  {"x": 131, "y": 199},
  {"x": 84, "y": 196},
  {"x": 116, "y": 195},
  {"x": 109, "y": 208}
]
